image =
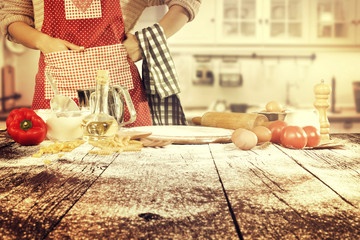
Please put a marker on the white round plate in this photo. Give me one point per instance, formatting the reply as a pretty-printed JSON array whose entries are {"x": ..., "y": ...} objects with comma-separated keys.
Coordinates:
[{"x": 187, "y": 134}]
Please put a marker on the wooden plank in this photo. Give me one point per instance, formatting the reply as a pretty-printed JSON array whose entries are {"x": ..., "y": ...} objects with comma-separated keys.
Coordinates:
[
  {"x": 168, "y": 193},
  {"x": 36, "y": 193},
  {"x": 337, "y": 169},
  {"x": 275, "y": 198},
  {"x": 5, "y": 140}
]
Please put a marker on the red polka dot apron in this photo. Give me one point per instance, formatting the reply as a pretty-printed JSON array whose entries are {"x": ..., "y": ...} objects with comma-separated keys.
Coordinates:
[{"x": 98, "y": 26}]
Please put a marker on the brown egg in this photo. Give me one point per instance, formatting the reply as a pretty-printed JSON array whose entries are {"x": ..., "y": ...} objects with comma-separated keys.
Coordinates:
[
  {"x": 273, "y": 106},
  {"x": 236, "y": 133},
  {"x": 244, "y": 139},
  {"x": 263, "y": 134}
]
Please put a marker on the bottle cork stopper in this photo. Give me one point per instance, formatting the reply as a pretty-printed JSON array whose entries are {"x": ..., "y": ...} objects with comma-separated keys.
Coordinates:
[
  {"x": 322, "y": 92},
  {"x": 102, "y": 77}
]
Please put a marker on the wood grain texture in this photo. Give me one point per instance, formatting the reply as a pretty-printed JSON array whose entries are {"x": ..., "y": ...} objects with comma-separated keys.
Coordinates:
[
  {"x": 5, "y": 139},
  {"x": 181, "y": 192},
  {"x": 291, "y": 194},
  {"x": 35, "y": 196},
  {"x": 169, "y": 193}
]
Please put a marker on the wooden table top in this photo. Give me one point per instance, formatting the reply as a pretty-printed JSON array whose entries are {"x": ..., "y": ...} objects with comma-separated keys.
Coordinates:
[{"x": 208, "y": 191}]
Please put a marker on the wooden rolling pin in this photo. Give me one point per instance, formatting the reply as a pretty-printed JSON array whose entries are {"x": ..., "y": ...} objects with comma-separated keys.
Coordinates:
[{"x": 231, "y": 120}]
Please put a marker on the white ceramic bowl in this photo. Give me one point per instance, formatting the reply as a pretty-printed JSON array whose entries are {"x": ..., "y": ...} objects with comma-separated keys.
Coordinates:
[
  {"x": 273, "y": 116},
  {"x": 302, "y": 118},
  {"x": 63, "y": 126}
]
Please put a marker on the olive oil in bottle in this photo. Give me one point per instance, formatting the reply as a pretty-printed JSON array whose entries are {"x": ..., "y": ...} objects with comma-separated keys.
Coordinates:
[{"x": 100, "y": 125}]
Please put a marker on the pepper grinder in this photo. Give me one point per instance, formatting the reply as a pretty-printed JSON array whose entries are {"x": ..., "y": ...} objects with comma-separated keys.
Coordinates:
[{"x": 322, "y": 92}]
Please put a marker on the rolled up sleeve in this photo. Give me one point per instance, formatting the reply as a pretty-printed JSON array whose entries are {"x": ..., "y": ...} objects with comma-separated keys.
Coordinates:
[
  {"x": 15, "y": 11},
  {"x": 191, "y": 6}
]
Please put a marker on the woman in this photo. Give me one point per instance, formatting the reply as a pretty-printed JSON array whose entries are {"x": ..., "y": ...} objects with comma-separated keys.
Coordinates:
[{"x": 97, "y": 33}]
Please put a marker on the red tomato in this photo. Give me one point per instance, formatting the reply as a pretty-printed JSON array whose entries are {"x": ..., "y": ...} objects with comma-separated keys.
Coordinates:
[
  {"x": 293, "y": 137},
  {"x": 275, "y": 129},
  {"x": 313, "y": 136}
]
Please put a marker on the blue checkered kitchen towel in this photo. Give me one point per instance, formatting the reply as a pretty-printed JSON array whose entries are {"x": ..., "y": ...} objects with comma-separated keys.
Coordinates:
[{"x": 160, "y": 78}]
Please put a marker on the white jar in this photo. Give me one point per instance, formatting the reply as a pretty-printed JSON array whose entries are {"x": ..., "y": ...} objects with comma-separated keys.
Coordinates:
[{"x": 303, "y": 118}]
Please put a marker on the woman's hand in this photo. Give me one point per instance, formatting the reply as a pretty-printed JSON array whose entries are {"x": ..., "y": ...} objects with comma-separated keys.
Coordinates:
[
  {"x": 34, "y": 39},
  {"x": 49, "y": 45},
  {"x": 132, "y": 47}
]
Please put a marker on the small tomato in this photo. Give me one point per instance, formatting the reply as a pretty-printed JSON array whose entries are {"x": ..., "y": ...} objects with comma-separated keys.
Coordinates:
[
  {"x": 275, "y": 129},
  {"x": 313, "y": 136},
  {"x": 293, "y": 137}
]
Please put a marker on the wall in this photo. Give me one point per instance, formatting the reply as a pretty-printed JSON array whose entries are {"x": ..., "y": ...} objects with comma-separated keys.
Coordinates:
[
  {"x": 268, "y": 79},
  {"x": 2, "y": 57},
  {"x": 26, "y": 65},
  {"x": 26, "y": 69},
  {"x": 265, "y": 80}
]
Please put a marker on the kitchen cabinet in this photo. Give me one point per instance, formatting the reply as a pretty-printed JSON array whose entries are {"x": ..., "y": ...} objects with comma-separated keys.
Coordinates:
[
  {"x": 262, "y": 21},
  {"x": 334, "y": 22},
  {"x": 344, "y": 122},
  {"x": 348, "y": 126},
  {"x": 274, "y": 22},
  {"x": 247, "y": 22}
]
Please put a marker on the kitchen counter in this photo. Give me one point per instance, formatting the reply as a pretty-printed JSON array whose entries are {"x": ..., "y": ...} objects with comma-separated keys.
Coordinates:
[
  {"x": 208, "y": 191},
  {"x": 344, "y": 115},
  {"x": 346, "y": 120}
]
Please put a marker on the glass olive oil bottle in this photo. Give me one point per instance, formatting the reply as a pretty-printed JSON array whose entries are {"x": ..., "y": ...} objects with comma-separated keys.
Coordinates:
[{"x": 100, "y": 125}]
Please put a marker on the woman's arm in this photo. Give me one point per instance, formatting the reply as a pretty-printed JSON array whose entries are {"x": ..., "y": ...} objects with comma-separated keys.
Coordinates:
[
  {"x": 15, "y": 11},
  {"x": 32, "y": 38},
  {"x": 17, "y": 24},
  {"x": 174, "y": 20},
  {"x": 171, "y": 23}
]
